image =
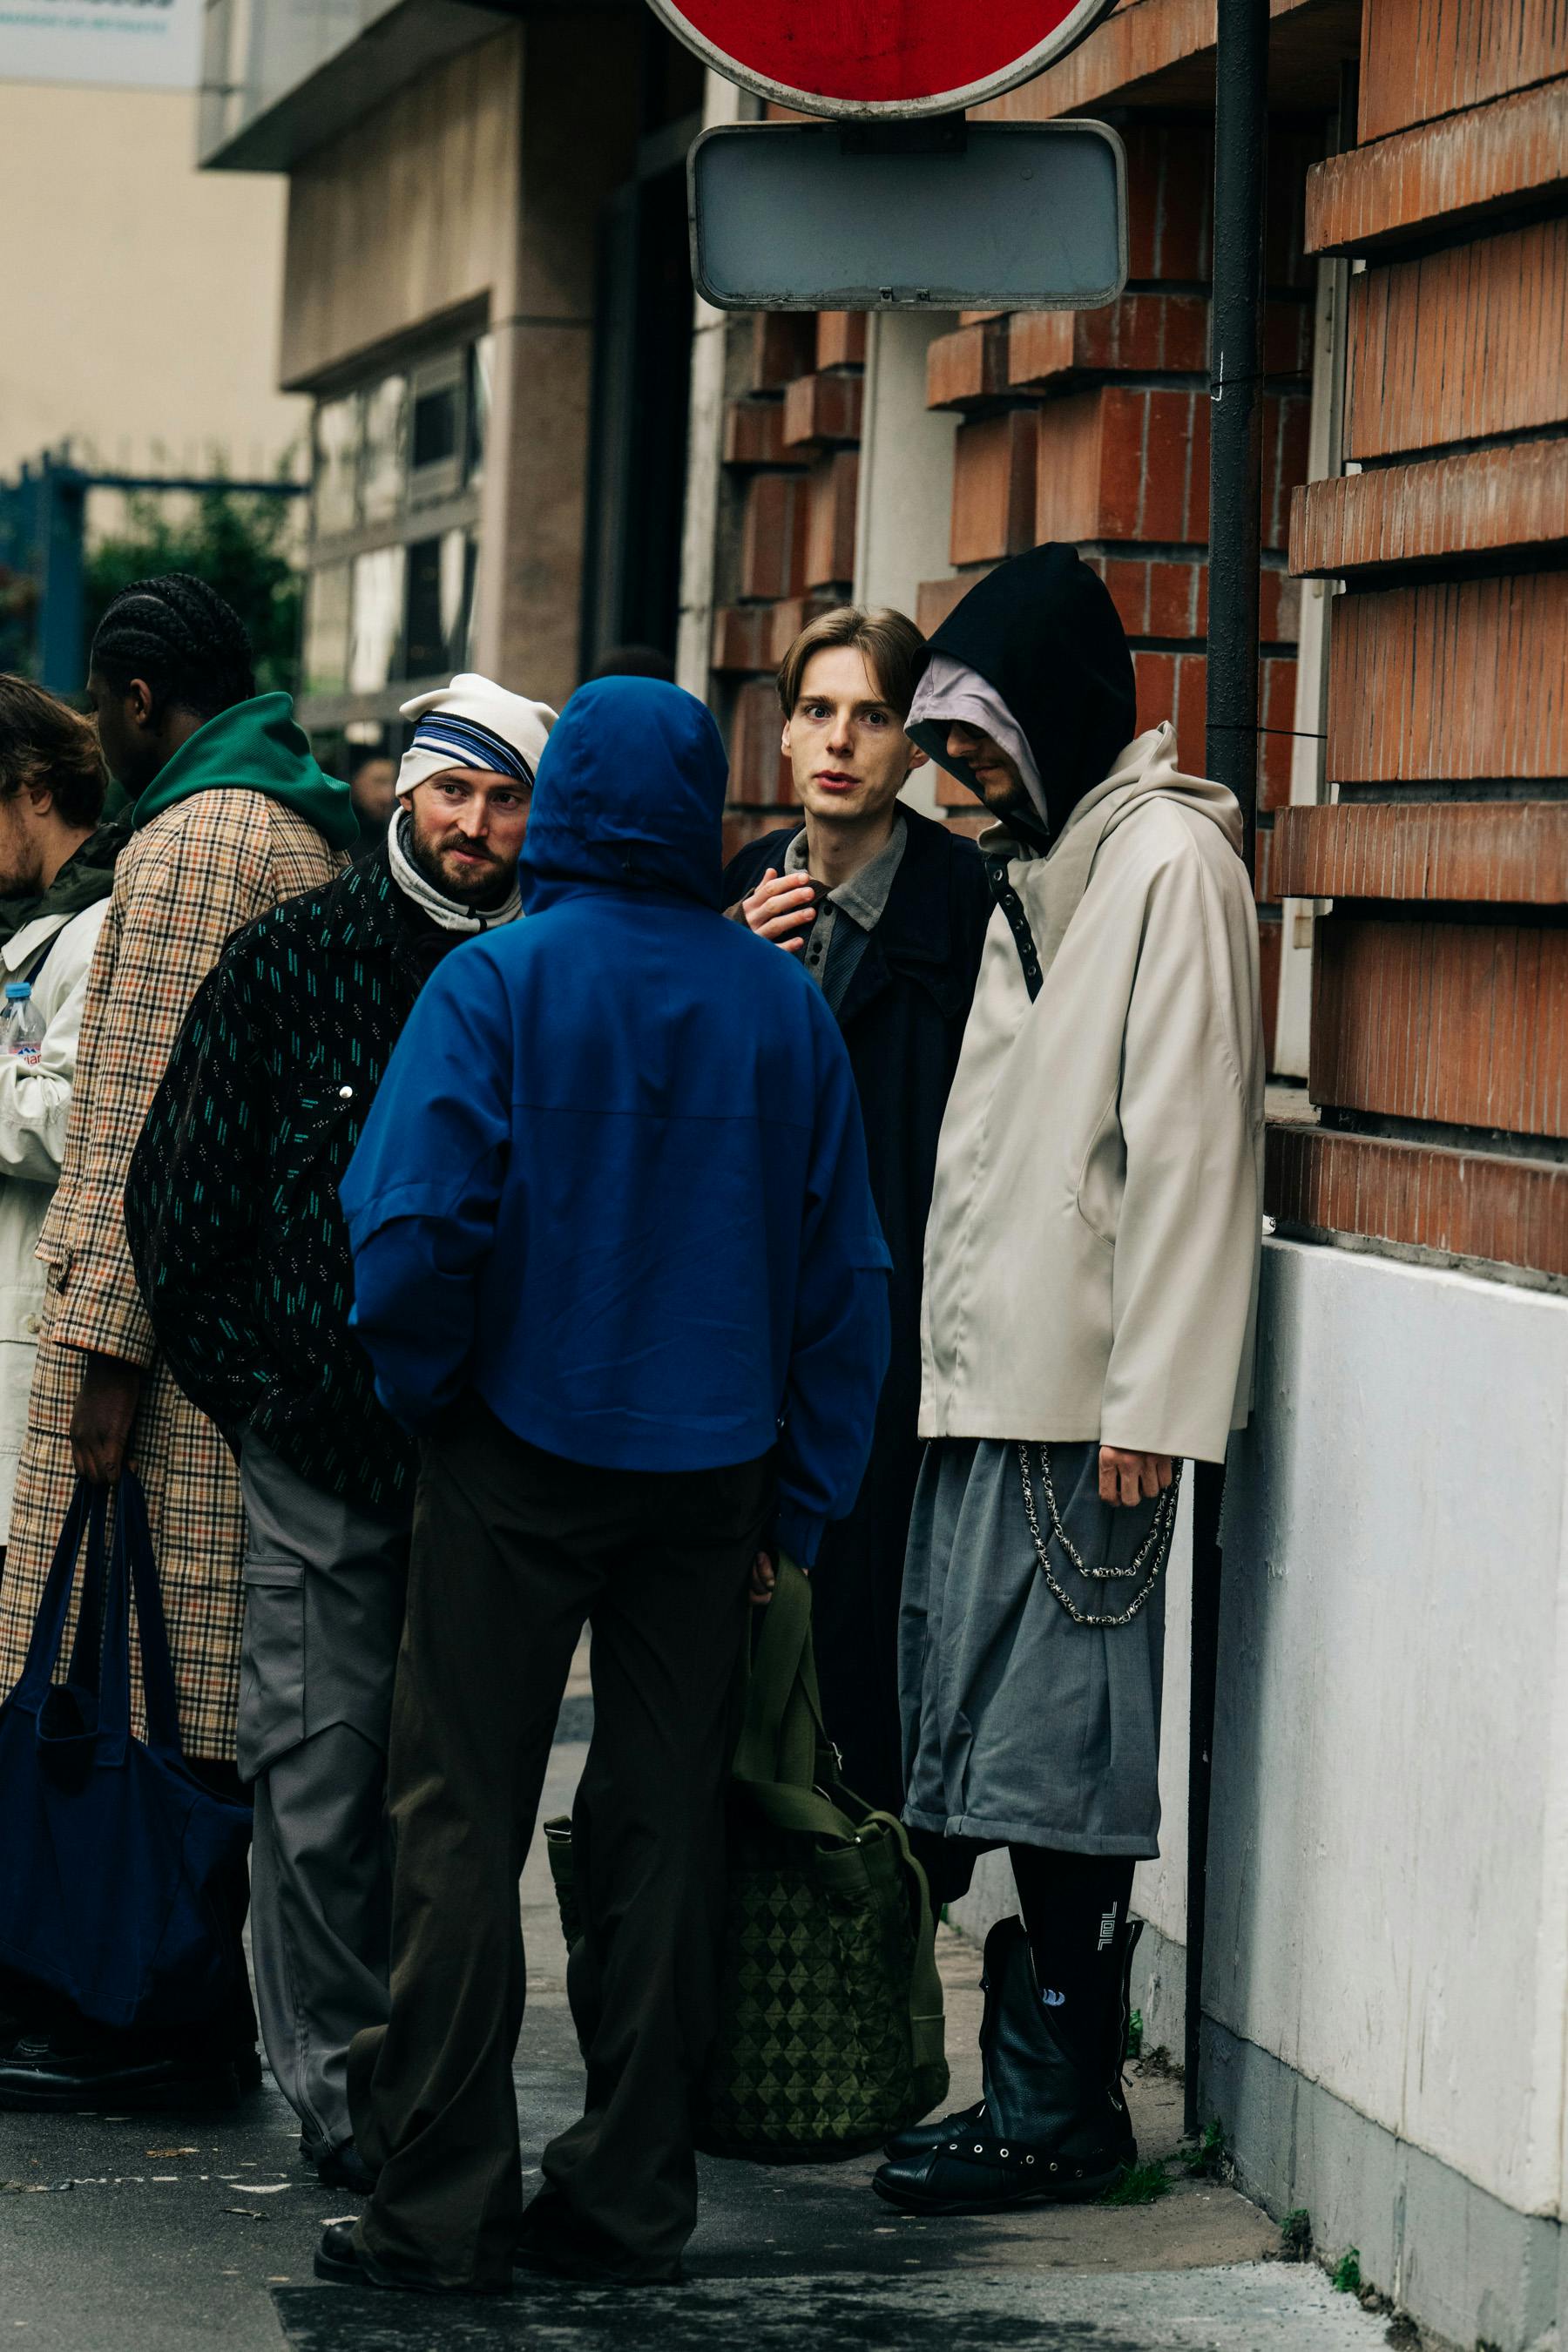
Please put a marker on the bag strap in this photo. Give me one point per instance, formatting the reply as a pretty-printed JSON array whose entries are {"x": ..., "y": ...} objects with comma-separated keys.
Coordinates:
[
  {"x": 928, "y": 2037},
  {"x": 50, "y": 1620},
  {"x": 781, "y": 1726},
  {"x": 1012, "y": 906},
  {"x": 132, "y": 1534},
  {"x": 87, "y": 1651}
]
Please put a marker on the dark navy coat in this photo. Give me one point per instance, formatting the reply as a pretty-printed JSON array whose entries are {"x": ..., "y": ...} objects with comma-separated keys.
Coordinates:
[{"x": 902, "y": 1018}]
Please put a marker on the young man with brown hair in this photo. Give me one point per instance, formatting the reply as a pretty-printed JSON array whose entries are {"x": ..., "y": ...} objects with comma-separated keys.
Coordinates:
[{"x": 888, "y": 912}]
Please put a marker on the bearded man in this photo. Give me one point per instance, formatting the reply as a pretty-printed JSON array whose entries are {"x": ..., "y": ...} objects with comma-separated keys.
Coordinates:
[{"x": 243, "y": 1258}]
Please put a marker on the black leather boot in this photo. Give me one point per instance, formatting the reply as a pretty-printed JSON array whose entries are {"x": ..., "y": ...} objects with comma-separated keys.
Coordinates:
[
  {"x": 1053, "y": 2125},
  {"x": 920, "y": 2138}
]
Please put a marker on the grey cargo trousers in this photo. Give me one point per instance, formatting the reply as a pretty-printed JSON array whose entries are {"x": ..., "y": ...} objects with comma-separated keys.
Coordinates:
[{"x": 324, "y": 1586}]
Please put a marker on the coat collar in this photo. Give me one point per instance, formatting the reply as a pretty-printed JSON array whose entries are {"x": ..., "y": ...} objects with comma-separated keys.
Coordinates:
[
  {"x": 22, "y": 945},
  {"x": 914, "y": 938}
]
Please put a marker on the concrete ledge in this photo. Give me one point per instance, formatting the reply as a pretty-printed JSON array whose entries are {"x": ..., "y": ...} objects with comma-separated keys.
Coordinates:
[
  {"x": 1458, "y": 2258},
  {"x": 1460, "y": 2261}
]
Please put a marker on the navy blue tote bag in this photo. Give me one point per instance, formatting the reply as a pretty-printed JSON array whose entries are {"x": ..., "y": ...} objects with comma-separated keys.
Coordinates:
[{"x": 119, "y": 1872}]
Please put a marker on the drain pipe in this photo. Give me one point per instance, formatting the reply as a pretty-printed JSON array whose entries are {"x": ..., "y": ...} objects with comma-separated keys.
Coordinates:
[{"x": 1235, "y": 418}]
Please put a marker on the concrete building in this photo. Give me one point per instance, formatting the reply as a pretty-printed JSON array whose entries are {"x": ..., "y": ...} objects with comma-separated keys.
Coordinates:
[
  {"x": 486, "y": 300},
  {"x": 526, "y": 449},
  {"x": 142, "y": 298}
]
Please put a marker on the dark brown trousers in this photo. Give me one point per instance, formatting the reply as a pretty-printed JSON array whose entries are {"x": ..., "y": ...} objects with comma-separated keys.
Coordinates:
[{"x": 513, "y": 1550}]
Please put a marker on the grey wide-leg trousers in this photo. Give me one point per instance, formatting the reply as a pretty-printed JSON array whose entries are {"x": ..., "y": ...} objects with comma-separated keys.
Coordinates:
[{"x": 324, "y": 1585}]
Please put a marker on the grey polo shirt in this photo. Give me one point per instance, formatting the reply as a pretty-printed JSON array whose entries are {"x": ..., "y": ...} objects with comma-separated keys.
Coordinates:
[{"x": 848, "y": 915}]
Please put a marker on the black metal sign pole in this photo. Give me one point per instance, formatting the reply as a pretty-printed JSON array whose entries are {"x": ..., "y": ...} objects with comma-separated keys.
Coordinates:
[{"x": 1236, "y": 398}]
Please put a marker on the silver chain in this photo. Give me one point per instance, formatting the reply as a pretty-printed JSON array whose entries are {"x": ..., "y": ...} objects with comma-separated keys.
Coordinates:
[{"x": 1156, "y": 1543}]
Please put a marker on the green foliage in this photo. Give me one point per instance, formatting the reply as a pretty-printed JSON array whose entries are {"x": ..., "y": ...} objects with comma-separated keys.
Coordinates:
[
  {"x": 1135, "y": 2035},
  {"x": 1347, "y": 2273},
  {"x": 1210, "y": 2158},
  {"x": 1141, "y": 2184},
  {"x": 1296, "y": 2236},
  {"x": 239, "y": 544}
]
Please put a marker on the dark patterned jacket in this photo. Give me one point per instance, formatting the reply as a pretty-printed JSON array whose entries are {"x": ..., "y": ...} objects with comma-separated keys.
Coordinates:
[{"x": 231, "y": 1205}]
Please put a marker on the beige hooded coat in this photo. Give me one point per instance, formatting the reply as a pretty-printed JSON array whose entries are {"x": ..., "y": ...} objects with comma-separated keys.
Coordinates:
[{"x": 1093, "y": 1254}]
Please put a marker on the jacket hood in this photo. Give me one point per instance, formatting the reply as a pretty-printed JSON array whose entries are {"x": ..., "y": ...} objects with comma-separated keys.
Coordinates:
[
  {"x": 630, "y": 796},
  {"x": 255, "y": 747},
  {"x": 1042, "y": 630},
  {"x": 1146, "y": 771}
]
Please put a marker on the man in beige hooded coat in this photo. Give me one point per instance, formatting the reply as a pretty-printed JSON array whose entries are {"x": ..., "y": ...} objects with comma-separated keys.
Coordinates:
[{"x": 1090, "y": 1287}]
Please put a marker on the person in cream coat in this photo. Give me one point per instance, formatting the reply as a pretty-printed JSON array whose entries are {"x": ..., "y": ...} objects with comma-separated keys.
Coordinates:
[
  {"x": 56, "y": 868},
  {"x": 1090, "y": 1287}
]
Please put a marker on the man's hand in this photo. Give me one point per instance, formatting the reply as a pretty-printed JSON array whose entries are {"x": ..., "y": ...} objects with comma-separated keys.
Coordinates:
[
  {"x": 783, "y": 908},
  {"x": 764, "y": 1576},
  {"x": 1131, "y": 1478},
  {"x": 104, "y": 1416}
]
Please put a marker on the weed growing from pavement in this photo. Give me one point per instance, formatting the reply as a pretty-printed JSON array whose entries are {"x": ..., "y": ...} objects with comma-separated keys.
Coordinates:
[
  {"x": 1347, "y": 2272},
  {"x": 1296, "y": 2236},
  {"x": 1135, "y": 2035},
  {"x": 1209, "y": 2159},
  {"x": 1141, "y": 2184}
]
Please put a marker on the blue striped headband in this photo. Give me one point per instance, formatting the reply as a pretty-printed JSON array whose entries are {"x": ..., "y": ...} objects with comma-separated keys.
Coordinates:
[{"x": 480, "y": 747}]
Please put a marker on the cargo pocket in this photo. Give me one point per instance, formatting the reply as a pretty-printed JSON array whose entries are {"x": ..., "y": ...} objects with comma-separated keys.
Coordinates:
[{"x": 271, "y": 1665}]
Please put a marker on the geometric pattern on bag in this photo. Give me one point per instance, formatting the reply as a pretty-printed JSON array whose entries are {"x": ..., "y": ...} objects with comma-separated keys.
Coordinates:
[{"x": 829, "y": 2034}]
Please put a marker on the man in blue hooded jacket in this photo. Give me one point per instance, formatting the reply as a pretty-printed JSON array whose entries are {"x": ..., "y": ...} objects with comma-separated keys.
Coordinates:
[{"x": 616, "y": 1258}]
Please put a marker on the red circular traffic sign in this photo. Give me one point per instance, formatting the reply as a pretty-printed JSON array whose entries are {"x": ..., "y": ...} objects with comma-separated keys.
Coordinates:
[{"x": 880, "y": 56}]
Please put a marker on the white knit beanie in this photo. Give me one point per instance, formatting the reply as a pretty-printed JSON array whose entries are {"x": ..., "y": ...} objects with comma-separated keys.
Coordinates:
[{"x": 473, "y": 724}]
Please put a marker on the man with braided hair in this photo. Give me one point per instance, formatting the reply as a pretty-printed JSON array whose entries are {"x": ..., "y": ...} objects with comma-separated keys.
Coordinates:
[{"x": 231, "y": 814}]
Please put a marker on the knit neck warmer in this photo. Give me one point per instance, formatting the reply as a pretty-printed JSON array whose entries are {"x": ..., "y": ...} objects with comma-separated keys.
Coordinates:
[{"x": 449, "y": 913}]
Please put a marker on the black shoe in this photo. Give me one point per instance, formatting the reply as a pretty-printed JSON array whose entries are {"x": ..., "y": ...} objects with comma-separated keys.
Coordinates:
[
  {"x": 981, "y": 2174},
  {"x": 552, "y": 2244},
  {"x": 921, "y": 2138},
  {"x": 343, "y": 2167},
  {"x": 338, "y": 2258},
  {"x": 1056, "y": 2125},
  {"x": 39, "y": 2074}
]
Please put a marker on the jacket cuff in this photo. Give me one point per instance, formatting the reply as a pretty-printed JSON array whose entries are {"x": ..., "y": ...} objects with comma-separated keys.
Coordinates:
[
  {"x": 798, "y": 1532},
  {"x": 95, "y": 1318}
]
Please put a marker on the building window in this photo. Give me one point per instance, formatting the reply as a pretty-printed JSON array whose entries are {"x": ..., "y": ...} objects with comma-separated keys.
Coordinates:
[{"x": 389, "y": 601}]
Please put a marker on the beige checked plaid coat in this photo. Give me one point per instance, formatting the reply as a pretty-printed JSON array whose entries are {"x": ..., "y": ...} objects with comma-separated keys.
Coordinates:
[{"x": 183, "y": 883}]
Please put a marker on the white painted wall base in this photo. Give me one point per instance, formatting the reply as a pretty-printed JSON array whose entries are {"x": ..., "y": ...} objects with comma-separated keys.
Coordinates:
[{"x": 1386, "y": 1977}]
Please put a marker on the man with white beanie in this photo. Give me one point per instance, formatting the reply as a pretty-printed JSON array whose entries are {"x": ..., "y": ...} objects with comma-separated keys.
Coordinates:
[{"x": 243, "y": 1259}]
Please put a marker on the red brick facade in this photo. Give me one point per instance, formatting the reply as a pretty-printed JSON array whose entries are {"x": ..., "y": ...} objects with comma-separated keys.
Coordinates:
[
  {"x": 1446, "y": 655},
  {"x": 1440, "y": 984}
]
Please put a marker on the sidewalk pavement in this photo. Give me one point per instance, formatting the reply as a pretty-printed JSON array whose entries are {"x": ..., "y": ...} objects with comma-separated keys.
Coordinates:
[{"x": 178, "y": 2234}]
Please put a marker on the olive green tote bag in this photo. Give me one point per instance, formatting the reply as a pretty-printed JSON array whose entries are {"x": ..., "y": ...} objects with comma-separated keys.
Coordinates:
[{"x": 830, "y": 2021}]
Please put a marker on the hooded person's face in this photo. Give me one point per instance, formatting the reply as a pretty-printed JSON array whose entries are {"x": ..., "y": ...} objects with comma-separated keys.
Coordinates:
[{"x": 997, "y": 775}]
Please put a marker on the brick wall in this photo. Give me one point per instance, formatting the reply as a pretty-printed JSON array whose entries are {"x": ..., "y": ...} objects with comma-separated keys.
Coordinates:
[
  {"x": 1094, "y": 427},
  {"x": 1440, "y": 985},
  {"x": 792, "y": 434}
]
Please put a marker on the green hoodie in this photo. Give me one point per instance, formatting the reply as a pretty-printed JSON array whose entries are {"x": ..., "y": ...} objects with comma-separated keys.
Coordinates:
[{"x": 255, "y": 747}]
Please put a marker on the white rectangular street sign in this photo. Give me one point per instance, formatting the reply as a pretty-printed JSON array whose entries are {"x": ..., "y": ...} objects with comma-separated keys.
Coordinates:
[
  {"x": 942, "y": 214},
  {"x": 121, "y": 43}
]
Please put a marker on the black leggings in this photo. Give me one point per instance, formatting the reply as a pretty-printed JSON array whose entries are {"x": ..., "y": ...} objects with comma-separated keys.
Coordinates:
[{"x": 1074, "y": 1908}]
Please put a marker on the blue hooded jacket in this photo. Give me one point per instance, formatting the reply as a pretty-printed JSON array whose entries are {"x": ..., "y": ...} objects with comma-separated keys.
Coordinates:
[{"x": 615, "y": 1177}]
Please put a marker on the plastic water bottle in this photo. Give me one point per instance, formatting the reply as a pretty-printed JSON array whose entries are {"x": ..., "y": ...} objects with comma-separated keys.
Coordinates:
[{"x": 21, "y": 1025}]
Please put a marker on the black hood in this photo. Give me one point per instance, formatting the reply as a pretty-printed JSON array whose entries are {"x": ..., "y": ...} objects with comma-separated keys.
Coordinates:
[{"x": 1043, "y": 631}]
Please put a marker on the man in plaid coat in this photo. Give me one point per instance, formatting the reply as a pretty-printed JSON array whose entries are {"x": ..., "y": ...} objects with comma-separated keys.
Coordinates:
[{"x": 232, "y": 814}]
